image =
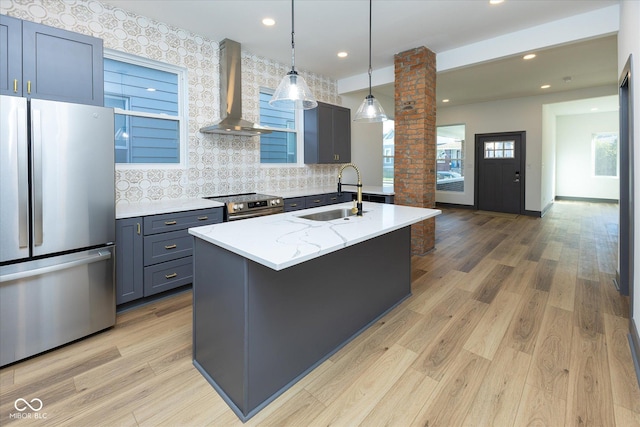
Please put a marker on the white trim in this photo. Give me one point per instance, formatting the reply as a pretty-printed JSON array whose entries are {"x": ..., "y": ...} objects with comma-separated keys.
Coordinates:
[{"x": 183, "y": 108}]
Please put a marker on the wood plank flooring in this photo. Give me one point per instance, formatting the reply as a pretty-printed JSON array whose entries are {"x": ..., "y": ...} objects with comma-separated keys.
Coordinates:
[{"x": 512, "y": 322}]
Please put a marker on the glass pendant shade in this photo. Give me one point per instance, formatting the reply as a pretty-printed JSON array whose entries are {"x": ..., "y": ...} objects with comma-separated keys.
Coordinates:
[
  {"x": 293, "y": 94},
  {"x": 370, "y": 111}
]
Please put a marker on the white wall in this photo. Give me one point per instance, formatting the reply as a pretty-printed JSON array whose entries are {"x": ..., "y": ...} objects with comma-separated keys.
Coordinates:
[
  {"x": 629, "y": 43},
  {"x": 366, "y": 139},
  {"x": 520, "y": 114},
  {"x": 574, "y": 169}
]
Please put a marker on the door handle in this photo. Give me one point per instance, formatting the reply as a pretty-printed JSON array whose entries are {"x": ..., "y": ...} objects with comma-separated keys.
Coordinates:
[{"x": 36, "y": 130}]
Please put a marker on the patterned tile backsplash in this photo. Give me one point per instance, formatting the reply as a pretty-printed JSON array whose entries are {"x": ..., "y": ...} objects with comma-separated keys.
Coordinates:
[{"x": 217, "y": 164}]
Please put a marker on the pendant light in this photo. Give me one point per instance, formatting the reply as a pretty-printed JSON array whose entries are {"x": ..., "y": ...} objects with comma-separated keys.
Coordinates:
[
  {"x": 293, "y": 92},
  {"x": 370, "y": 110}
]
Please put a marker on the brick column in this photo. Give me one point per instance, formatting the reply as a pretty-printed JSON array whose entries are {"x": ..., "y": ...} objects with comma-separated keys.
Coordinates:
[{"x": 415, "y": 139}]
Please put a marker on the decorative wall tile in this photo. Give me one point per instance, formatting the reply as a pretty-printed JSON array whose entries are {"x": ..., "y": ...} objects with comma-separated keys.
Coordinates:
[{"x": 216, "y": 164}]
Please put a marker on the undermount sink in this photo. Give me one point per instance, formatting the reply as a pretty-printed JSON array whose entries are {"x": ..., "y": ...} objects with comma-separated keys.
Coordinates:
[{"x": 329, "y": 215}]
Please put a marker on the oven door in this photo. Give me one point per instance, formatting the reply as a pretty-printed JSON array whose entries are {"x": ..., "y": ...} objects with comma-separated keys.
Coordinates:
[{"x": 261, "y": 212}]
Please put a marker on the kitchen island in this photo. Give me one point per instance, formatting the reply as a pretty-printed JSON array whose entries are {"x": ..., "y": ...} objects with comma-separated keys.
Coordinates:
[{"x": 275, "y": 296}]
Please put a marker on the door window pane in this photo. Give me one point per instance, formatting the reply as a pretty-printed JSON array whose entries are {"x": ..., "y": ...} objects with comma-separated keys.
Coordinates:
[
  {"x": 499, "y": 150},
  {"x": 388, "y": 152}
]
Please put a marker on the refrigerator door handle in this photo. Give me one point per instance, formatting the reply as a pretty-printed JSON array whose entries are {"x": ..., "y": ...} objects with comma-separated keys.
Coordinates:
[
  {"x": 36, "y": 129},
  {"x": 99, "y": 256},
  {"x": 23, "y": 178}
]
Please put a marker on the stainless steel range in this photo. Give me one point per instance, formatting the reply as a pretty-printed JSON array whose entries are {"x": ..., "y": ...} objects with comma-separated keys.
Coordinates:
[{"x": 249, "y": 205}]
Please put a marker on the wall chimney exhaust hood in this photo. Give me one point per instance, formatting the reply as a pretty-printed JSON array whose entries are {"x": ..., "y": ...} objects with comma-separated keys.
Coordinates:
[{"x": 231, "y": 96}]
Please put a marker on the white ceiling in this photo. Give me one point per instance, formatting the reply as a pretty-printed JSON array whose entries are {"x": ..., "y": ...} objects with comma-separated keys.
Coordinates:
[{"x": 324, "y": 27}]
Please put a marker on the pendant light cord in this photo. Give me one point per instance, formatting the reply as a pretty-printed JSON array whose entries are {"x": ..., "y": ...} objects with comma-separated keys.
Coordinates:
[
  {"x": 370, "y": 13},
  {"x": 293, "y": 44}
]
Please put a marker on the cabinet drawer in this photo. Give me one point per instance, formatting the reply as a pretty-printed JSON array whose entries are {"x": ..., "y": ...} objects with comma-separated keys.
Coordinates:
[
  {"x": 333, "y": 198},
  {"x": 294, "y": 204},
  {"x": 181, "y": 220},
  {"x": 168, "y": 275},
  {"x": 313, "y": 201},
  {"x": 167, "y": 246}
]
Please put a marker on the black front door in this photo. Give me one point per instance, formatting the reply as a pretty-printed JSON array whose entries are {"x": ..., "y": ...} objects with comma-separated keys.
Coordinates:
[{"x": 499, "y": 183}]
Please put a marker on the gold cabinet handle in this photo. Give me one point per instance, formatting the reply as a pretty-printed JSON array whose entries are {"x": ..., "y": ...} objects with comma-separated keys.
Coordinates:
[
  {"x": 293, "y": 205},
  {"x": 203, "y": 218},
  {"x": 167, "y": 247},
  {"x": 334, "y": 198},
  {"x": 138, "y": 228},
  {"x": 28, "y": 87},
  {"x": 170, "y": 222},
  {"x": 15, "y": 85},
  {"x": 170, "y": 276},
  {"x": 316, "y": 201}
]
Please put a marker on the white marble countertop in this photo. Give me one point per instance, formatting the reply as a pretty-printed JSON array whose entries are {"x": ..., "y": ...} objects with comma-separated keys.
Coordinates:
[
  {"x": 128, "y": 210},
  {"x": 301, "y": 192},
  {"x": 283, "y": 240}
]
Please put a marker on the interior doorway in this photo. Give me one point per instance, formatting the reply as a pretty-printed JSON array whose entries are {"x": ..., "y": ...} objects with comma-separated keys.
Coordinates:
[
  {"x": 500, "y": 172},
  {"x": 624, "y": 277}
]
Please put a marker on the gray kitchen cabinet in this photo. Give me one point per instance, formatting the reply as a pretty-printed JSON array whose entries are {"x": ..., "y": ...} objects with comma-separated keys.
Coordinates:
[
  {"x": 316, "y": 200},
  {"x": 327, "y": 134},
  {"x": 129, "y": 260},
  {"x": 50, "y": 63},
  {"x": 10, "y": 56},
  {"x": 154, "y": 252},
  {"x": 294, "y": 204}
]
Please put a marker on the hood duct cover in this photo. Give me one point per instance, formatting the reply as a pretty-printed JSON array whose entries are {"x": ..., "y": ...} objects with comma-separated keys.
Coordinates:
[{"x": 231, "y": 95}]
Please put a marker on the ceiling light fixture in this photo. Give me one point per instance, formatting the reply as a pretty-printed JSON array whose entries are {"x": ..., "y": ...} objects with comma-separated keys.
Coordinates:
[
  {"x": 342, "y": 54},
  {"x": 268, "y": 22},
  {"x": 529, "y": 56},
  {"x": 445, "y": 100},
  {"x": 370, "y": 110},
  {"x": 545, "y": 86},
  {"x": 293, "y": 92},
  {"x": 495, "y": 1}
]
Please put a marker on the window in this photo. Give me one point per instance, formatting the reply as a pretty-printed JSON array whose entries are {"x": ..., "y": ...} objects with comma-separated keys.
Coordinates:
[
  {"x": 280, "y": 146},
  {"x": 499, "y": 149},
  {"x": 388, "y": 150},
  {"x": 450, "y": 158},
  {"x": 604, "y": 148},
  {"x": 149, "y": 115}
]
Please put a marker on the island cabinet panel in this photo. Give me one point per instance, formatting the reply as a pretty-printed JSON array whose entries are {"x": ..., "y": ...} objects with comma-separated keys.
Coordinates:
[
  {"x": 257, "y": 330},
  {"x": 154, "y": 252},
  {"x": 327, "y": 134}
]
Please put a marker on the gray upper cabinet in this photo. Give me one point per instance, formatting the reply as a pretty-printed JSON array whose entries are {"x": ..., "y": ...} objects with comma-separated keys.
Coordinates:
[
  {"x": 327, "y": 134},
  {"x": 10, "y": 56},
  {"x": 50, "y": 63}
]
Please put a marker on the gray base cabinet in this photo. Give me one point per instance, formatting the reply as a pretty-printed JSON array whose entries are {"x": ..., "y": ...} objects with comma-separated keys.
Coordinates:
[
  {"x": 327, "y": 134},
  {"x": 38, "y": 61},
  {"x": 257, "y": 331},
  {"x": 154, "y": 253}
]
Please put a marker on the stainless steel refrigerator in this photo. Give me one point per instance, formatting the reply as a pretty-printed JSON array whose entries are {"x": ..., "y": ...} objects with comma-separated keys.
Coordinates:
[{"x": 57, "y": 224}]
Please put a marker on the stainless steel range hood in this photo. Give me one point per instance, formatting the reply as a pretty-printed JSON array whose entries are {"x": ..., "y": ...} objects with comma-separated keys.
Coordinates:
[{"x": 231, "y": 95}]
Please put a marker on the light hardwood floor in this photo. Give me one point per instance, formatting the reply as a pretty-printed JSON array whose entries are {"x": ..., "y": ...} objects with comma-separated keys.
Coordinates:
[{"x": 512, "y": 322}]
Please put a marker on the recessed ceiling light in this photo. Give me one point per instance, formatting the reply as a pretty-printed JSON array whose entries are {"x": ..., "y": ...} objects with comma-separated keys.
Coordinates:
[
  {"x": 545, "y": 86},
  {"x": 495, "y": 1},
  {"x": 529, "y": 56},
  {"x": 594, "y": 109},
  {"x": 268, "y": 22},
  {"x": 445, "y": 100},
  {"x": 342, "y": 54},
  {"x": 151, "y": 89}
]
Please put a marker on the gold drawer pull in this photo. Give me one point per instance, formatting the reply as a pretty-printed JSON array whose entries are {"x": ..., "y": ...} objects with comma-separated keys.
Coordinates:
[
  {"x": 171, "y": 247},
  {"x": 15, "y": 85},
  {"x": 29, "y": 87},
  {"x": 316, "y": 201},
  {"x": 293, "y": 205},
  {"x": 334, "y": 198},
  {"x": 203, "y": 218},
  {"x": 170, "y": 276},
  {"x": 138, "y": 228},
  {"x": 170, "y": 222}
]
